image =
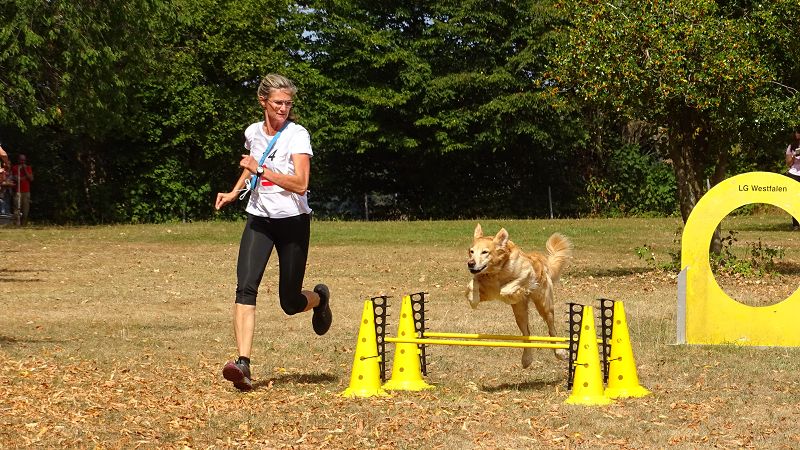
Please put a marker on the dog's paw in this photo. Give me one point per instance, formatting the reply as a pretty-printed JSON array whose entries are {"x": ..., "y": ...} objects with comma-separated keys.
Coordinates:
[
  {"x": 472, "y": 294},
  {"x": 527, "y": 358}
]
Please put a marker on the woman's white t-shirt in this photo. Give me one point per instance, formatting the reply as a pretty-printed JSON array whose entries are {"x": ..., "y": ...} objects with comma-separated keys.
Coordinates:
[
  {"x": 795, "y": 168},
  {"x": 269, "y": 199}
]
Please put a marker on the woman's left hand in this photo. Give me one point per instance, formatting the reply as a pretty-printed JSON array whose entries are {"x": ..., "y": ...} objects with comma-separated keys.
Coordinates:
[{"x": 223, "y": 198}]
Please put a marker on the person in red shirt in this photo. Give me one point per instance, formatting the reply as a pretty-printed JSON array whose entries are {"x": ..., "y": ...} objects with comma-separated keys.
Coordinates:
[{"x": 23, "y": 173}]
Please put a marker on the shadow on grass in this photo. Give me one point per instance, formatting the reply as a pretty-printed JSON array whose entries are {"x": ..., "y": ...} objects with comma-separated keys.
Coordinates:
[
  {"x": 11, "y": 275},
  {"x": 787, "y": 268},
  {"x": 615, "y": 271},
  {"x": 783, "y": 268},
  {"x": 764, "y": 227},
  {"x": 296, "y": 378},
  {"x": 8, "y": 340},
  {"x": 524, "y": 386}
]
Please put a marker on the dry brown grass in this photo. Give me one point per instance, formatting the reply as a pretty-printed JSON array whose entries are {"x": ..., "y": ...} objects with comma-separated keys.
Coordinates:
[{"x": 114, "y": 337}]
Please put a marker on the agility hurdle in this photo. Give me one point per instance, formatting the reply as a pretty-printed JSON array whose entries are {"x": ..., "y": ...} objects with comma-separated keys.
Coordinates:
[
  {"x": 422, "y": 337},
  {"x": 586, "y": 372},
  {"x": 583, "y": 361}
]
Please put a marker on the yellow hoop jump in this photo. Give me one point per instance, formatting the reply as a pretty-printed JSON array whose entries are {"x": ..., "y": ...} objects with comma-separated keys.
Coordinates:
[{"x": 706, "y": 314}]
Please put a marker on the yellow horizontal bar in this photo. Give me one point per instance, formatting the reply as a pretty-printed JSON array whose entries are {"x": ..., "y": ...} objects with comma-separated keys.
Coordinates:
[
  {"x": 498, "y": 337},
  {"x": 427, "y": 341}
]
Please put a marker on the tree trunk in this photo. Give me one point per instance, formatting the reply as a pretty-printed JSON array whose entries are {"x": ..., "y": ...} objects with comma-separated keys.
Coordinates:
[
  {"x": 720, "y": 170},
  {"x": 688, "y": 143},
  {"x": 690, "y": 185}
]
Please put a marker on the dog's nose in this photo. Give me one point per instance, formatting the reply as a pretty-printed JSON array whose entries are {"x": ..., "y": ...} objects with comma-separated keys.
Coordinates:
[{"x": 470, "y": 264}]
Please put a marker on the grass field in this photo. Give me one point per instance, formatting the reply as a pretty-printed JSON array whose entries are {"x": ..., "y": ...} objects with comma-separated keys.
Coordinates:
[{"x": 114, "y": 337}]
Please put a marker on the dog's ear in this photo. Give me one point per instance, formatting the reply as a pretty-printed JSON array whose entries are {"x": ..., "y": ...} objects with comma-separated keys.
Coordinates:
[
  {"x": 501, "y": 238},
  {"x": 478, "y": 233}
]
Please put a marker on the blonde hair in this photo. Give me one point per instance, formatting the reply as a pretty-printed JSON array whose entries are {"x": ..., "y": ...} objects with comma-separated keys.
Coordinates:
[{"x": 274, "y": 82}]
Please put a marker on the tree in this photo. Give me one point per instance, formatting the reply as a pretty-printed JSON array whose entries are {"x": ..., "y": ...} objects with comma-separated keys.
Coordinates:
[
  {"x": 200, "y": 96},
  {"x": 68, "y": 95},
  {"x": 709, "y": 73},
  {"x": 63, "y": 61},
  {"x": 433, "y": 94},
  {"x": 134, "y": 109}
]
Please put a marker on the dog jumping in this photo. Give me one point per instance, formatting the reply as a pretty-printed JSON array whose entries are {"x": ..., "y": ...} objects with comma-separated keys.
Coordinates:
[{"x": 502, "y": 271}]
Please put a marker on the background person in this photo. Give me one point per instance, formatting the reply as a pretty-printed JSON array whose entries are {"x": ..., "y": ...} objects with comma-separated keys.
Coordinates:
[
  {"x": 5, "y": 163},
  {"x": 793, "y": 161},
  {"x": 23, "y": 175},
  {"x": 5, "y": 182},
  {"x": 278, "y": 216}
]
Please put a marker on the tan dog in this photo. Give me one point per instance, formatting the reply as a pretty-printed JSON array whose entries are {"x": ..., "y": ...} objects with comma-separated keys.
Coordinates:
[{"x": 502, "y": 271}]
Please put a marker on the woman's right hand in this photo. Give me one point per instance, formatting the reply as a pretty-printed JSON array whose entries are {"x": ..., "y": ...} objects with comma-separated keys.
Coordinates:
[{"x": 223, "y": 198}]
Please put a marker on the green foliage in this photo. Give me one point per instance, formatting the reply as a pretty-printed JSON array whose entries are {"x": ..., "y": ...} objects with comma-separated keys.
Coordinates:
[
  {"x": 632, "y": 183},
  {"x": 440, "y": 98},
  {"x": 707, "y": 74},
  {"x": 71, "y": 64},
  {"x": 646, "y": 253},
  {"x": 761, "y": 260},
  {"x": 649, "y": 58},
  {"x": 135, "y": 111},
  {"x": 142, "y": 115},
  {"x": 70, "y": 75}
]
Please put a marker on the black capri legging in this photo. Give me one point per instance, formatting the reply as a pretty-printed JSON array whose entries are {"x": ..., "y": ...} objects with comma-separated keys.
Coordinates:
[{"x": 290, "y": 236}]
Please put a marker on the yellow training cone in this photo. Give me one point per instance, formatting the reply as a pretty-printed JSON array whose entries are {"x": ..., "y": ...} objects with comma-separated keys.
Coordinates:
[
  {"x": 623, "y": 381},
  {"x": 406, "y": 372},
  {"x": 587, "y": 387},
  {"x": 365, "y": 380}
]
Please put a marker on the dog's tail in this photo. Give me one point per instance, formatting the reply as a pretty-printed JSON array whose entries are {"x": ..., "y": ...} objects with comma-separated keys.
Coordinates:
[{"x": 559, "y": 250}]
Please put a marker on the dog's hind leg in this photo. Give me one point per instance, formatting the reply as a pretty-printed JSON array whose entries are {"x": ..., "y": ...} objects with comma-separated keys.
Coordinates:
[
  {"x": 521, "y": 315},
  {"x": 544, "y": 305}
]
